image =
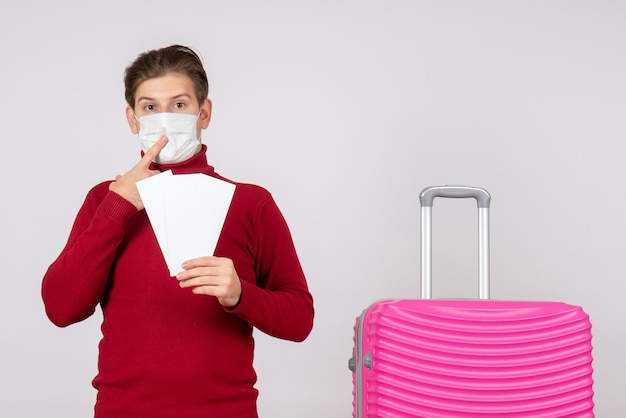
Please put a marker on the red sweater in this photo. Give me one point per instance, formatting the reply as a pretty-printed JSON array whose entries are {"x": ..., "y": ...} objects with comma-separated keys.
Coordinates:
[{"x": 166, "y": 352}]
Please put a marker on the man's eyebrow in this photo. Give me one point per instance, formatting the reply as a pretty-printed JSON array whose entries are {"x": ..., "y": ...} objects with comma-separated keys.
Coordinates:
[
  {"x": 144, "y": 98},
  {"x": 178, "y": 96}
]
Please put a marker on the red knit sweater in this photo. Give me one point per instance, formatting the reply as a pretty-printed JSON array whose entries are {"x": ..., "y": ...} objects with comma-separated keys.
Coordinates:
[{"x": 166, "y": 352}]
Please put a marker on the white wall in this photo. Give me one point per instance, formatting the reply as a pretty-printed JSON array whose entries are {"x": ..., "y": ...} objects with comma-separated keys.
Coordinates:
[{"x": 345, "y": 110}]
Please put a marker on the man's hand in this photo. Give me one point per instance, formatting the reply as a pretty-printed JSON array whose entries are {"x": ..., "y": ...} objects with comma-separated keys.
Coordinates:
[
  {"x": 214, "y": 276},
  {"x": 126, "y": 186}
]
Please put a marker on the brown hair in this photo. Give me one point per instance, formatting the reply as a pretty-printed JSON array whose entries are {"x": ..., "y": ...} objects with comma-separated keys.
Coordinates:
[{"x": 159, "y": 62}]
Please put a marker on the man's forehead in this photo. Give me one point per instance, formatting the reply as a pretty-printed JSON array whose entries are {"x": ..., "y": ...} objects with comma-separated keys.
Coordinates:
[{"x": 171, "y": 86}]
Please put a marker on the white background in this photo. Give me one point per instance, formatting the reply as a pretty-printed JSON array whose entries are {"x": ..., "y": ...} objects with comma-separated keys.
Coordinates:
[{"x": 344, "y": 110}]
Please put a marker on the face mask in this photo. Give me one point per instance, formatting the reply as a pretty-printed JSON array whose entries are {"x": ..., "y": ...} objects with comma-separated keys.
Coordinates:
[{"x": 179, "y": 128}]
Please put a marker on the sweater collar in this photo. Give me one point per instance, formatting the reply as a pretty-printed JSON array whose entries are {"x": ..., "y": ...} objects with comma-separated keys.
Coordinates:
[{"x": 196, "y": 164}]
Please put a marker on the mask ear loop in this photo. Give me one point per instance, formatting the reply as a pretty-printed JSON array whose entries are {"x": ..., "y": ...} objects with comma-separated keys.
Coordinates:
[
  {"x": 197, "y": 119},
  {"x": 138, "y": 121}
]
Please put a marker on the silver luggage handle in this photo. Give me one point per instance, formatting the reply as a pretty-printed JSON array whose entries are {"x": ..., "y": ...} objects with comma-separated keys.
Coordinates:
[{"x": 483, "y": 200}]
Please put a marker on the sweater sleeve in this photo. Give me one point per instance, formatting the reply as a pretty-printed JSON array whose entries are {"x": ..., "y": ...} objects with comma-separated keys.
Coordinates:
[
  {"x": 280, "y": 303},
  {"x": 75, "y": 282}
]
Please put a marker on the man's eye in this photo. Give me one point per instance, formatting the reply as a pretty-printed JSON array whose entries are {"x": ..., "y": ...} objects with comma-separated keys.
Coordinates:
[
  {"x": 179, "y": 105},
  {"x": 149, "y": 107}
]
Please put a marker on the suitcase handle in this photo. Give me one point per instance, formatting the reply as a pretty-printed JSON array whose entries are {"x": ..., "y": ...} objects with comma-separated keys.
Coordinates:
[
  {"x": 483, "y": 200},
  {"x": 429, "y": 194}
]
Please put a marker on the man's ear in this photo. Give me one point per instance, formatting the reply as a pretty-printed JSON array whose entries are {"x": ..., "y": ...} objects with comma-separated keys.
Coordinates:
[
  {"x": 133, "y": 123},
  {"x": 205, "y": 113}
]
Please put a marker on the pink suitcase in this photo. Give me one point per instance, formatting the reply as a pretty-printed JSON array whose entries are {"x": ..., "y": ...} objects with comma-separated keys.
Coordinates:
[{"x": 470, "y": 358}]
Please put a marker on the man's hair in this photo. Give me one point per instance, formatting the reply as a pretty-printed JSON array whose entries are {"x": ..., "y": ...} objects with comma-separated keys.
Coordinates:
[{"x": 160, "y": 62}]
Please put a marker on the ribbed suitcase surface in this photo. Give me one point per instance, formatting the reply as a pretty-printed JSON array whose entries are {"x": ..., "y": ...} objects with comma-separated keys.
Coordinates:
[{"x": 474, "y": 358}]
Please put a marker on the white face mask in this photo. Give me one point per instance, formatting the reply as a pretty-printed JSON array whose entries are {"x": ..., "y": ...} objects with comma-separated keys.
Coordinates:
[{"x": 179, "y": 128}]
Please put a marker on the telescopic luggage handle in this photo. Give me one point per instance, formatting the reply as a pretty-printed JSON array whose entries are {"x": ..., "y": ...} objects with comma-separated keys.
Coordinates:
[{"x": 483, "y": 200}]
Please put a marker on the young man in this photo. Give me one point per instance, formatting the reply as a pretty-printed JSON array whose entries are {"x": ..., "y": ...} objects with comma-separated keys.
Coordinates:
[{"x": 182, "y": 346}]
